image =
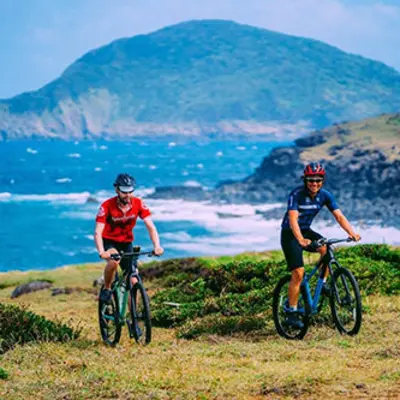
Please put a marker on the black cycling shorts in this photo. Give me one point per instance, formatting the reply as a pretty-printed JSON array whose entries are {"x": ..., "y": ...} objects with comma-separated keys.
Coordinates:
[
  {"x": 125, "y": 247},
  {"x": 292, "y": 249}
]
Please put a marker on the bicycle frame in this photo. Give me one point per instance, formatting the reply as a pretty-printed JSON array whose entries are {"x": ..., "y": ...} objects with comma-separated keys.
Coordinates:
[
  {"x": 122, "y": 293},
  {"x": 123, "y": 284},
  {"x": 327, "y": 261}
]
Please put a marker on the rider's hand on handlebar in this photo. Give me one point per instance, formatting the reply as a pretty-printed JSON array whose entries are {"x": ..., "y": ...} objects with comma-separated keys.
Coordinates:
[
  {"x": 355, "y": 236},
  {"x": 105, "y": 255},
  {"x": 304, "y": 242},
  {"x": 158, "y": 251}
]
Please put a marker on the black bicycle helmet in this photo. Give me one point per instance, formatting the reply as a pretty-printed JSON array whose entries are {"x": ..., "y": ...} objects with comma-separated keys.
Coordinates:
[{"x": 125, "y": 183}]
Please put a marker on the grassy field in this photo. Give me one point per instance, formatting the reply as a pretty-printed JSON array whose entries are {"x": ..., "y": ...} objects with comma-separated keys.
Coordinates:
[
  {"x": 257, "y": 365},
  {"x": 381, "y": 133}
]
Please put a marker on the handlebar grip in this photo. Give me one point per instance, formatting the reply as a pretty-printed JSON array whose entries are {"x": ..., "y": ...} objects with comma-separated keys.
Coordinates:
[
  {"x": 314, "y": 245},
  {"x": 116, "y": 257}
]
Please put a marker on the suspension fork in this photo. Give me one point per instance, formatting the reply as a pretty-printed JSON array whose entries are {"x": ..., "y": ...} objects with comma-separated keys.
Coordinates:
[
  {"x": 131, "y": 286},
  {"x": 334, "y": 287},
  {"x": 134, "y": 265}
]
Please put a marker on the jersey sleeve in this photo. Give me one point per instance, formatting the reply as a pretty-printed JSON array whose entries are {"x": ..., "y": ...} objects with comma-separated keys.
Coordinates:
[
  {"x": 144, "y": 211},
  {"x": 331, "y": 202},
  {"x": 102, "y": 213},
  {"x": 293, "y": 201}
]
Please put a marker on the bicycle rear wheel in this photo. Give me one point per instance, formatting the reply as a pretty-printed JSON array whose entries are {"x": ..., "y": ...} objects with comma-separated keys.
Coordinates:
[
  {"x": 140, "y": 314},
  {"x": 280, "y": 302},
  {"x": 345, "y": 302},
  {"x": 110, "y": 328}
]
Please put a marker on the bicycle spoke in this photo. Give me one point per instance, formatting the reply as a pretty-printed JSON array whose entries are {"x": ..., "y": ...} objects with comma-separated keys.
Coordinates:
[
  {"x": 108, "y": 317},
  {"x": 112, "y": 332},
  {"x": 110, "y": 327}
]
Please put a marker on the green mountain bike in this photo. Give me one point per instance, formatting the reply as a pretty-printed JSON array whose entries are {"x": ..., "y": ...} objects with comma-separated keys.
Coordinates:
[
  {"x": 129, "y": 304},
  {"x": 341, "y": 289}
]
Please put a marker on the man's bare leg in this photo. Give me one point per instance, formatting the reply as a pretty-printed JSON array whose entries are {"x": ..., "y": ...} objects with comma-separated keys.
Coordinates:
[
  {"x": 109, "y": 273},
  {"x": 294, "y": 286},
  {"x": 322, "y": 251}
]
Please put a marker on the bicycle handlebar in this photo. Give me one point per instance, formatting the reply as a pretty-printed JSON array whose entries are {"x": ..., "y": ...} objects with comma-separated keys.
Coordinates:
[
  {"x": 329, "y": 242},
  {"x": 119, "y": 256}
]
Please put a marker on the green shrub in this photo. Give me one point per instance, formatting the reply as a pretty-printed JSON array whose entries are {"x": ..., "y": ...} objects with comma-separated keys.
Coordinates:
[
  {"x": 19, "y": 326},
  {"x": 3, "y": 373},
  {"x": 240, "y": 289},
  {"x": 165, "y": 269},
  {"x": 376, "y": 267},
  {"x": 167, "y": 316},
  {"x": 220, "y": 325}
]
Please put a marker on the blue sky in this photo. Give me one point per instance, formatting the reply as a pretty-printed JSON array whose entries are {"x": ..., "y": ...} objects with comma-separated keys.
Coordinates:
[{"x": 40, "y": 38}]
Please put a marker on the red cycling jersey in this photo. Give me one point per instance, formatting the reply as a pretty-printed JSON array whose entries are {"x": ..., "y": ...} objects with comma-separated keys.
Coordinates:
[{"x": 119, "y": 224}]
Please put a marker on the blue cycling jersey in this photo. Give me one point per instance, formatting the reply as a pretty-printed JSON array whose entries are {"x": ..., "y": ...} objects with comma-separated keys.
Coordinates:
[{"x": 308, "y": 208}]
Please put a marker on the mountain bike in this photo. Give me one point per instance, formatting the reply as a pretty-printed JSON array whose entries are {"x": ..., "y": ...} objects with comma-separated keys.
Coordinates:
[
  {"x": 342, "y": 291},
  {"x": 128, "y": 304}
]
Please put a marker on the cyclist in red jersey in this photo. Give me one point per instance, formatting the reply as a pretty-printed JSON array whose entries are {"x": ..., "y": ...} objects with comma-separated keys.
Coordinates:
[{"x": 115, "y": 221}]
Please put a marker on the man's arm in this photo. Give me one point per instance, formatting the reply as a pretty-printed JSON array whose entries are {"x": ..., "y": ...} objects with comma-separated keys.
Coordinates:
[
  {"x": 158, "y": 250},
  {"x": 345, "y": 224},
  {"x": 98, "y": 240},
  {"x": 294, "y": 226}
]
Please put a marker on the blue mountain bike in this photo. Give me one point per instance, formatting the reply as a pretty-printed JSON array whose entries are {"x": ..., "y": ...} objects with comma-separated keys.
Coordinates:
[
  {"x": 129, "y": 304},
  {"x": 341, "y": 289}
]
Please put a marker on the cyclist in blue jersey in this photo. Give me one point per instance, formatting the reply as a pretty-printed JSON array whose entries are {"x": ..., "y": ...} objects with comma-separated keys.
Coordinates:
[{"x": 296, "y": 235}]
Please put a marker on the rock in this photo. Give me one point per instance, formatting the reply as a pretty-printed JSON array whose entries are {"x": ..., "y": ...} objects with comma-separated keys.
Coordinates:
[
  {"x": 312, "y": 140},
  {"x": 92, "y": 200},
  {"x": 57, "y": 291},
  {"x": 30, "y": 287},
  {"x": 335, "y": 149},
  {"x": 275, "y": 213},
  {"x": 69, "y": 290},
  {"x": 342, "y": 131},
  {"x": 361, "y": 386},
  {"x": 364, "y": 182},
  {"x": 363, "y": 176},
  {"x": 189, "y": 193},
  {"x": 98, "y": 282},
  {"x": 228, "y": 215}
]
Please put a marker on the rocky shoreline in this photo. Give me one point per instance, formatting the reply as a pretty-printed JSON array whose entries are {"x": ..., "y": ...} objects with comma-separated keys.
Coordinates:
[{"x": 364, "y": 179}]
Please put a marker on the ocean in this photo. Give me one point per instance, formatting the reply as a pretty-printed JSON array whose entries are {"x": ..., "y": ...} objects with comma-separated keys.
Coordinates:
[{"x": 50, "y": 192}]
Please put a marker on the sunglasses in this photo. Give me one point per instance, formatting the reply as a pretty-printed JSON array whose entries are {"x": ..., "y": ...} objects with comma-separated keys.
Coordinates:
[
  {"x": 125, "y": 192},
  {"x": 316, "y": 180}
]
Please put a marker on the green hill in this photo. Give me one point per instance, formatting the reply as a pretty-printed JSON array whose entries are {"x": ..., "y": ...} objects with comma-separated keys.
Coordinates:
[{"x": 203, "y": 77}]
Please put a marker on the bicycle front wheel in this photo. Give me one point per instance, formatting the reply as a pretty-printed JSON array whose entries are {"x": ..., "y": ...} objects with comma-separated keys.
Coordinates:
[
  {"x": 110, "y": 327},
  {"x": 345, "y": 302},
  {"x": 140, "y": 314},
  {"x": 279, "y": 306}
]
